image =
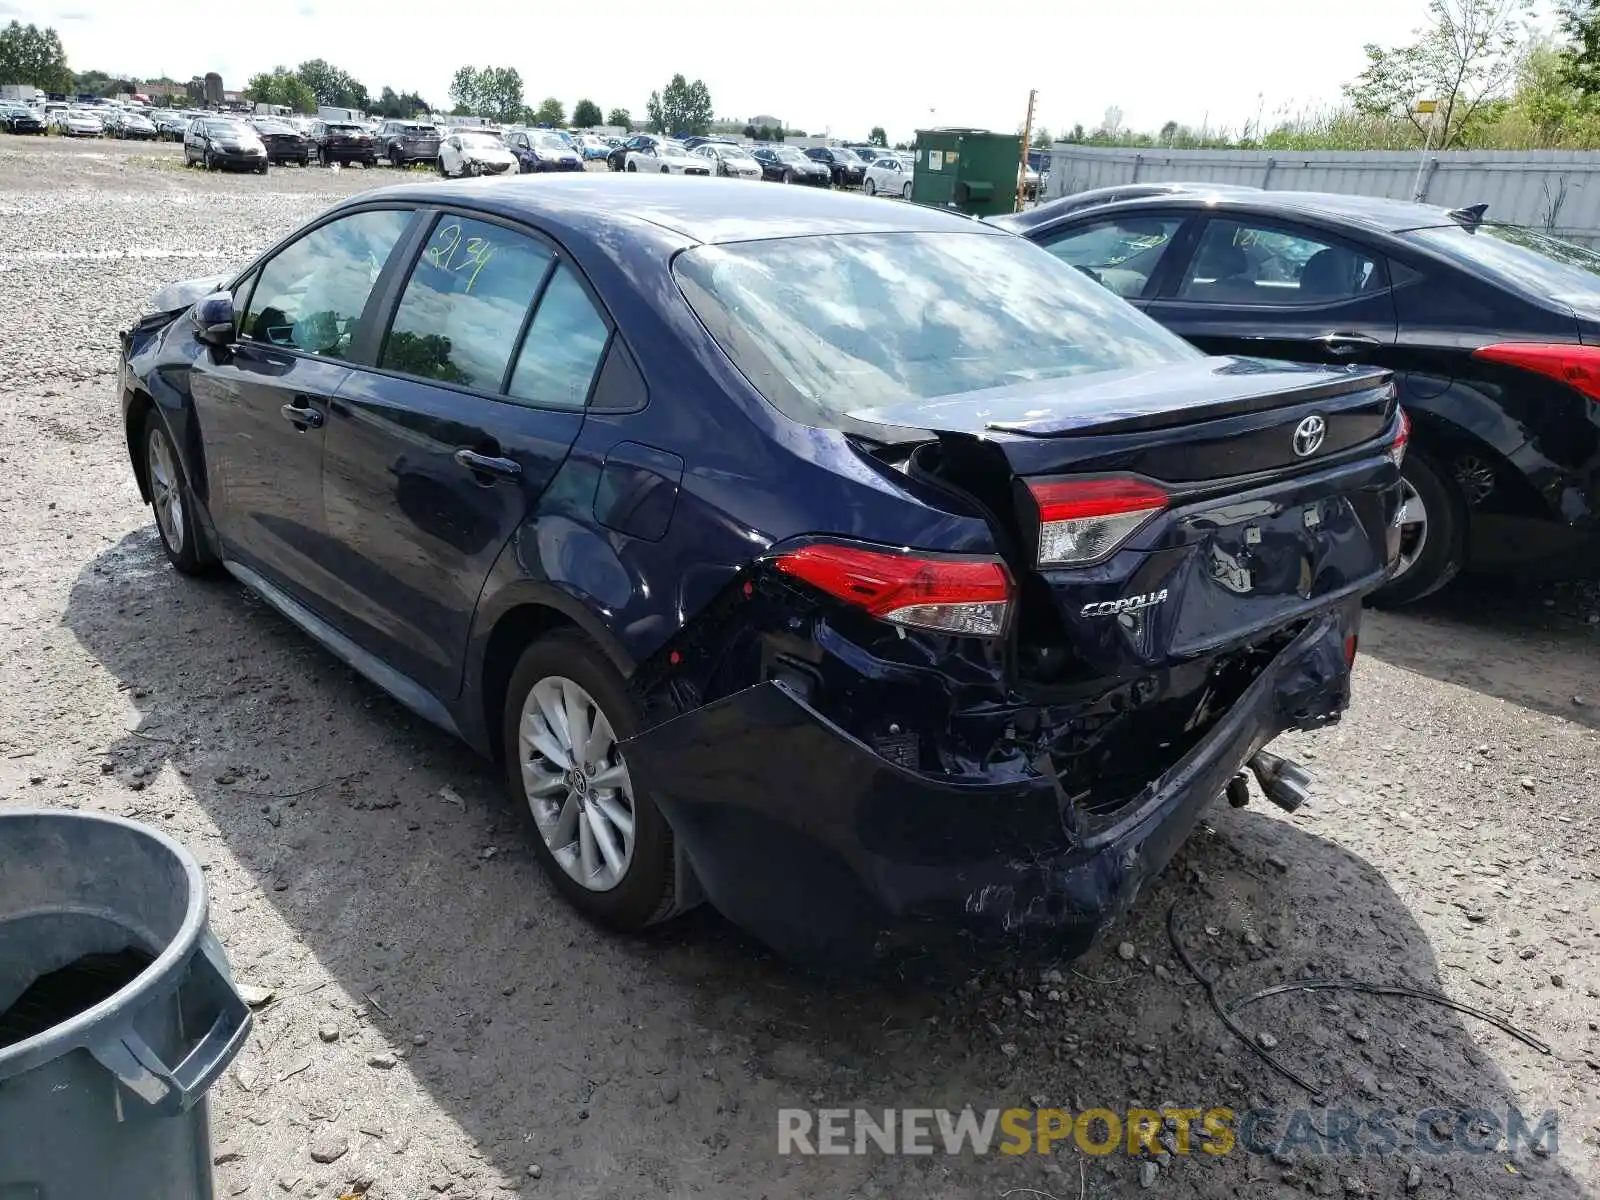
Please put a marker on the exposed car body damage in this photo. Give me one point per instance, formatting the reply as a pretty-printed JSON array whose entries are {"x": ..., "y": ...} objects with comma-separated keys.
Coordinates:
[{"x": 882, "y": 855}]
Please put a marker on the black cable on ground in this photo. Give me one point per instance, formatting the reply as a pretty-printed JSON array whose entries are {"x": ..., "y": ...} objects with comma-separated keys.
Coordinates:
[{"x": 1225, "y": 1011}]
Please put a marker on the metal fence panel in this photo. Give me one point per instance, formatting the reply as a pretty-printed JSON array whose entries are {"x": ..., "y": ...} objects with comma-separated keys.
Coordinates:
[{"x": 1554, "y": 190}]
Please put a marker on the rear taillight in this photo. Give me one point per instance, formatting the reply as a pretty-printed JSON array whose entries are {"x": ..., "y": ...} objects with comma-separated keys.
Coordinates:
[
  {"x": 950, "y": 593},
  {"x": 1397, "y": 448},
  {"x": 1083, "y": 520},
  {"x": 1576, "y": 366}
]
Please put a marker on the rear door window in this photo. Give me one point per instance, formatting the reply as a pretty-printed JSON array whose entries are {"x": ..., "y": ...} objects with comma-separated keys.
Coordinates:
[
  {"x": 464, "y": 304},
  {"x": 1239, "y": 262},
  {"x": 563, "y": 346},
  {"x": 1122, "y": 253},
  {"x": 311, "y": 294}
]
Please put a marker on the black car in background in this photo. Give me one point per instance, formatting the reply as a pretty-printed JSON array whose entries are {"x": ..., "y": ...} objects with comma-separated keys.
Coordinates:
[
  {"x": 218, "y": 142},
  {"x": 407, "y": 142},
  {"x": 1492, "y": 331},
  {"x": 20, "y": 119},
  {"x": 284, "y": 143},
  {"x": 618, "y": 158},
  {"x": 846, "y": 168},
  {"x": 785, "y": 164},
  {"x": 343, "y": 142}
]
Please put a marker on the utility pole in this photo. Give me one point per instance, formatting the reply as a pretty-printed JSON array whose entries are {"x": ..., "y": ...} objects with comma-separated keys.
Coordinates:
[
  {"x": 1022, "y": 166},
  {"x": 1424, "y": 108}
]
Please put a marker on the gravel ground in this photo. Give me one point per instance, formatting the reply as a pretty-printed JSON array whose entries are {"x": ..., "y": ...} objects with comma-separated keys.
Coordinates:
[{"x": 442, "y": 1025}]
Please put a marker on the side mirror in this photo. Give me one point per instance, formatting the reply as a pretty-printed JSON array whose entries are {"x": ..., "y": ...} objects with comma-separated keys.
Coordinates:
[{"x": 213, "y": 319}]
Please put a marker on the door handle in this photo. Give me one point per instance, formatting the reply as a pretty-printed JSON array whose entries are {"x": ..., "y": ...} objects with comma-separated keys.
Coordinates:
[
  {"x": 1347, "y": 343},
  {"x": 302, "y": 415},
  {"x": 488, "y": 464}
]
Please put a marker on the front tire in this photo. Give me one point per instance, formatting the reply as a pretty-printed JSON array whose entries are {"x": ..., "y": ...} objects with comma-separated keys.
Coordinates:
[
  {"x": 872, "y": 188},
  {"x": 788, "y": 176},
  {"x": 172, "y": 501},
  {"x": 1433, "y": 532},
  {"x": 601, "y": 839},
  {"x": 905, "y": 192}
]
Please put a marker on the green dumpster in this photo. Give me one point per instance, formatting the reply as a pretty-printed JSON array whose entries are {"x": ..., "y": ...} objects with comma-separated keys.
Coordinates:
[{"x": 972, "y": 170}]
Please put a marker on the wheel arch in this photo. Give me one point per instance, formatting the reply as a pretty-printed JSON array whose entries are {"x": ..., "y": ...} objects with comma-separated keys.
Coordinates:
[
  {"x": 519, "y": 620},
  {"x": 136, "y": 411}
]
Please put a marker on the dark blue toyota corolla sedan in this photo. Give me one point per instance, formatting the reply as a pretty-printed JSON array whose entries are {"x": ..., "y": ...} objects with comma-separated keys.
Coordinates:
[{"x": 862, "y": 568}]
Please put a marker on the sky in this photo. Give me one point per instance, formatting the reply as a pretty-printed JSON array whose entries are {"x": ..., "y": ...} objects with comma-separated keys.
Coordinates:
[{"x": 826, "y": 66}]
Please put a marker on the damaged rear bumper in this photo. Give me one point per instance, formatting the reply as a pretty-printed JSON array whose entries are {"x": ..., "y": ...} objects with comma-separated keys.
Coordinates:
[{"x": 814, "y": 842}]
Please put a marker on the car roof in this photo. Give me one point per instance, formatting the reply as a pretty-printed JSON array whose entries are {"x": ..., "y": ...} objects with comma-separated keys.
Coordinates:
[
  {"x": 707, "y": 211},
  {"x": 1376, "y": 213}
]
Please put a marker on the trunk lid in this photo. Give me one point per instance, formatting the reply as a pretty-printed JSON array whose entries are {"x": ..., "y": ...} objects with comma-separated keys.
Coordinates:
[{"x": 1255, "y": 495}]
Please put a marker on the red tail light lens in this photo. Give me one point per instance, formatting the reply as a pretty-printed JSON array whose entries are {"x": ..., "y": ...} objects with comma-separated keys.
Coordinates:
[
  {"x": 950, "y": 593},
  {"x": 1576, "y": 366},
  {"x": 1397, "y": 448},
  {"x": 1083, "y": 520}
]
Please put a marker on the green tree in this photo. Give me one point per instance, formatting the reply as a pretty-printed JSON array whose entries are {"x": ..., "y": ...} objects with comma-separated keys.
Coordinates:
[
  {"x": 1042, "y": 140},
  {"x": 331, "y": 85},
  {"x": 878, "y": 137},
  {"x": 1579, "y": 22},
  {"x": 749, "y": 131},
  {"x": 465, "y": 91},
  {"x": 621, "y": 118},
  {"x": 279, "y": 86},
  {"x": 681, "y": 107},
  {"x": 586, "y": 114},
  {"x": 33, "y": 56},
  {"x": 550, "y": 112},
  {"x": 492, "y": 92},
  {"x": 500, "y": 91},
  {"x": 1464, "y": 60},
  {"x": 794, "y": 133}
]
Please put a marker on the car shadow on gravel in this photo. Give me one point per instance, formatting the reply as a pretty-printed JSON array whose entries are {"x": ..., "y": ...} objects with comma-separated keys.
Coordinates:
[
  {"x": 330, "y": 818},
  {"x": 1531, "y": 645}
]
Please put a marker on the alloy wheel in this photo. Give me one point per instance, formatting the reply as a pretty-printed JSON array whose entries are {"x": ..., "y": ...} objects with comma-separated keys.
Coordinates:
[
  {"x": 166, "y": 490},
  {"x": 576, "y": 783},
  {"x": 1412, "y": 520}
]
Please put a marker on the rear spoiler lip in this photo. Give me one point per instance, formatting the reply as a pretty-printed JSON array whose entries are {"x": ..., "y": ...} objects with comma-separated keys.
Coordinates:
[
  {"x": 1230, "y": 380},
  {"x": 1377, "y": 381}
]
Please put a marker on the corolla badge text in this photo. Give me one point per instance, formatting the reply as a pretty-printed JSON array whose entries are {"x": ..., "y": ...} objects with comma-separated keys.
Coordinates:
[{"x": 1112, "y": 608}]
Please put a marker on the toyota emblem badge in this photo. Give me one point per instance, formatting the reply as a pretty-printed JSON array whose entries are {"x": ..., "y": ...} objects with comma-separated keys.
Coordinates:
[{"x": 1308, "y": 435}]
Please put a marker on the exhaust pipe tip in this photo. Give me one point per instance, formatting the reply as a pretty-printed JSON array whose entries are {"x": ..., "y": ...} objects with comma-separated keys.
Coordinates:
[{"x": 1283, "y": 781}]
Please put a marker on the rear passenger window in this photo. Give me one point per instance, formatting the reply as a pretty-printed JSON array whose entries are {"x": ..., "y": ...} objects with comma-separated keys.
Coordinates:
[
  {"x": 1237, "y": 263},
  {"x": 312, "y": 292},
  {"x": 464, "y": 304},
  {"x": 563, "y": 347}
]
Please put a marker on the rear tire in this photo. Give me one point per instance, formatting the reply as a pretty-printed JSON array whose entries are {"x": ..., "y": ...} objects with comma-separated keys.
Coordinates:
[
  {"x": 788, "y": 176},
  {"x": 632, "y": 167},
  {"x": 642, "y": 892},
  {"x": 905, "y": 192},
  {"x": 1437, "y": 544}
]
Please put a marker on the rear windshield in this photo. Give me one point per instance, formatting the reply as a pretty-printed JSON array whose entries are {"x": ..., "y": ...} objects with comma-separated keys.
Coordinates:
[
  {"x": 825, "y": 325},
  {"x": 1522, "y": 257},
  {"x": 346, "y": 128}
]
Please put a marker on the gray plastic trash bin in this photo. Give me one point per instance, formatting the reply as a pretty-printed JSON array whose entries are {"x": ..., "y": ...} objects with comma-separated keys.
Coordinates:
[{"x": 116, "y": 1012}]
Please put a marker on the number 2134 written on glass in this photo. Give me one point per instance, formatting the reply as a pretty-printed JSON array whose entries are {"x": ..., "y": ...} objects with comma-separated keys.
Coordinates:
[{"x": 450, "y": 253}]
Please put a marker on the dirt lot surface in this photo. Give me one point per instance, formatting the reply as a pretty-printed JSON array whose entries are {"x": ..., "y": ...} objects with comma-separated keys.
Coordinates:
[{"x": 443, "y": 1025}]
